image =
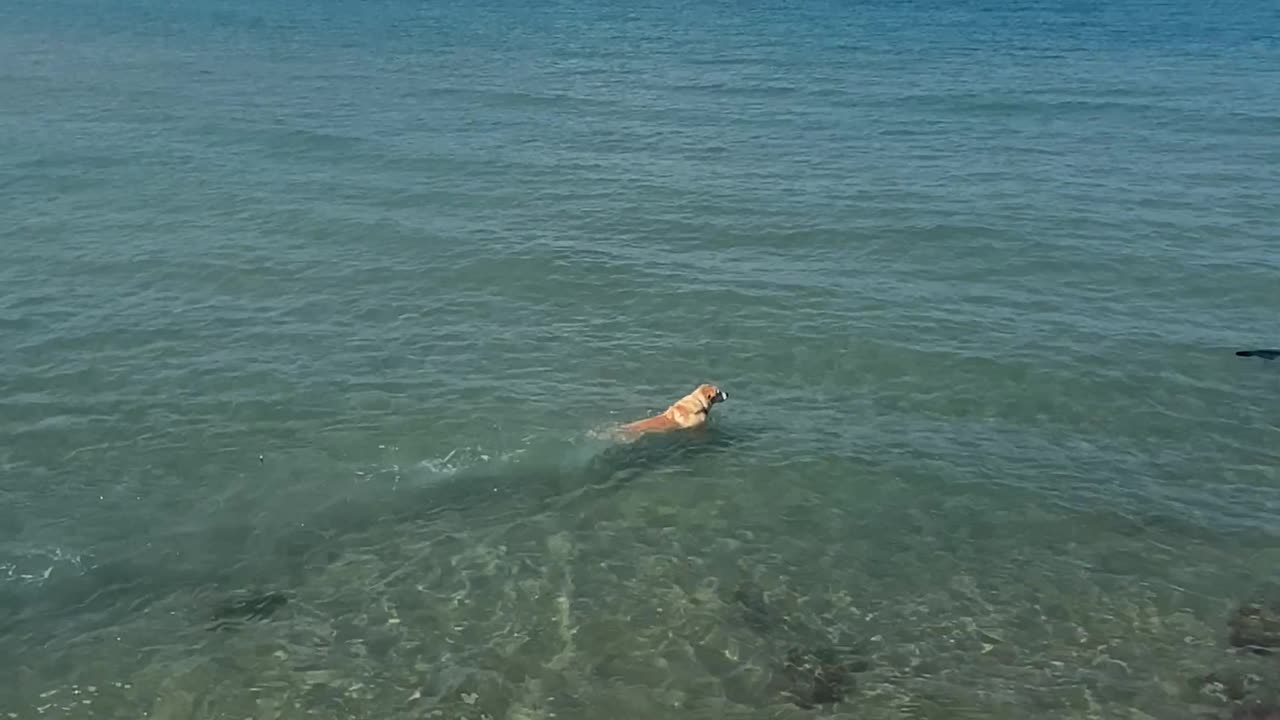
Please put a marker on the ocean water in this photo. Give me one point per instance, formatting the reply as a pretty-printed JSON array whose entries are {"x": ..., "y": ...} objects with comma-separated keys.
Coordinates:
[{"x": 312, "y": 314}]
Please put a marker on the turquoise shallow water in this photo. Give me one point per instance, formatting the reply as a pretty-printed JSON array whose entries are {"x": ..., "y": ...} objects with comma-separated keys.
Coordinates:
[{"x": 325, "y": 304}]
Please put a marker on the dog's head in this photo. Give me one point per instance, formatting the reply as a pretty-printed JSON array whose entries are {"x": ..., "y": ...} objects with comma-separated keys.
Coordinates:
[
  {"x": 701, "y": 399},
  {"x": 711, "y": 394}
]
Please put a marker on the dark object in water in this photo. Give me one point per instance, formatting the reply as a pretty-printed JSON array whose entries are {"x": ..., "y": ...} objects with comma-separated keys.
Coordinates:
[
  {"x": 819, "y": 676},
  {"x": 811, "y": 675},
  {"x": 1264, "y": 354},
  {"x": 253, "y": 607},
  {"x": 1235, "y": 687},
  {"x": 1256, "y": 711},
  {"x": 755, "y": 609},
  {"x": 1256, "y": 627}
]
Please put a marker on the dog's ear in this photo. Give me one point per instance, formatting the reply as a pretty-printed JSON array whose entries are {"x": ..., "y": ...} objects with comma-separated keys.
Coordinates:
[{"x": 698, "y": 396}]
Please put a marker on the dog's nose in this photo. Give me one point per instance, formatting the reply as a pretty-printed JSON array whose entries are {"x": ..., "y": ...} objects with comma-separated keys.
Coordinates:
[{"x": 721, "y": 396}]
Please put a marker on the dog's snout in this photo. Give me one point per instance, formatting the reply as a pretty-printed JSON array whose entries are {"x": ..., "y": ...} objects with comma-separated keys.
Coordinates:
[{"x": 721, "y": 396}]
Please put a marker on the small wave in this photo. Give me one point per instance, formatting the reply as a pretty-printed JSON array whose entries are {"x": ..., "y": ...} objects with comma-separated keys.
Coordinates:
[{"x": 460, "y": 458}]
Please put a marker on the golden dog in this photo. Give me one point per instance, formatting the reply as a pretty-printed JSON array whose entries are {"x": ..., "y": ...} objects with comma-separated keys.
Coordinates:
[{"x": 688, "y": 412}]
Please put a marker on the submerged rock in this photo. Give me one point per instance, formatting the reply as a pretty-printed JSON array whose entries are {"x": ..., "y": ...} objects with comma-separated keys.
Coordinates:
[
  {"x": 755, "y": 610},
  {"x": 246, "y": 608},
  {"x": 1256, "y": 711},
  {"x": 810, "y": 671},
  {"x": 1242, "y": 695},
  {"x": 1233, "y": 686},
  {"x": 1256, "y": 627},
  {"x": 819, "y": 676}
]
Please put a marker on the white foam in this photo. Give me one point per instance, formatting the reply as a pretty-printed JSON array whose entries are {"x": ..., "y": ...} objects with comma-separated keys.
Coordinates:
[{"x": 35, "y": 565}]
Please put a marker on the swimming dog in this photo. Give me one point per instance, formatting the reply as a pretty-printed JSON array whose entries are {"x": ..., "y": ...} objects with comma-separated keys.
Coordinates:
[{"x": 688, "y": 412}]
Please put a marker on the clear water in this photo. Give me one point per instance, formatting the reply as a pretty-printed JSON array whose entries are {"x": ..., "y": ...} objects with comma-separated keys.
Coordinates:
[{"x": 330, "y": 300}]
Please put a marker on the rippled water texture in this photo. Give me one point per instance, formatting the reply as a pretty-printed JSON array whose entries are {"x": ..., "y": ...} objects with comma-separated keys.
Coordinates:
[{"x": 313, "y": 315}]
